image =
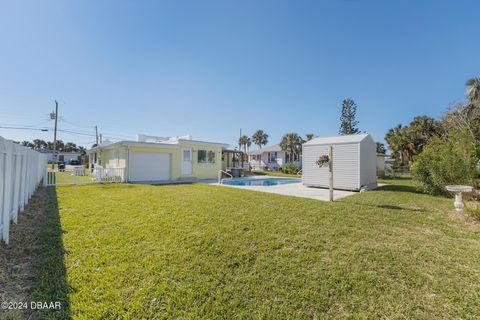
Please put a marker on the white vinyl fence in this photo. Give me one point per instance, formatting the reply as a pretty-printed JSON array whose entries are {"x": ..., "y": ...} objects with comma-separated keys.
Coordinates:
[
  {"x": 21, "y": 170},
  {"x": 75, "y": 175}
]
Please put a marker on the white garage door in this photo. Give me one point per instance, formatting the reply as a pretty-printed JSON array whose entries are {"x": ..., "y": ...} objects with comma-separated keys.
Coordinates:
[{"x": 146, "y": 166}]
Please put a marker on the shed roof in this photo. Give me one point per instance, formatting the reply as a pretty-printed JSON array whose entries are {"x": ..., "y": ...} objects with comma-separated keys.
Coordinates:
[{"x": 351, "y": 138}]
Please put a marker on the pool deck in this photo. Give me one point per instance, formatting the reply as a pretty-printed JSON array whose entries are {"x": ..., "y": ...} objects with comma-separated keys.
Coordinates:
[{"x": 295, "y": 190}]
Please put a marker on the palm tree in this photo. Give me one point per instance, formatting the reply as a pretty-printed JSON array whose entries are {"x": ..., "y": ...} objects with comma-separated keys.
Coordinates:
[
  {"x": 249, "y": 143},
  {"x": 309, "y": 136},
  {"x": 473, "y": 90},
  {"x": 381, "y": 148},
  {"x": 395, "y": 141},
  {"x": 292, "y": 143},
  {"x": 82, "y": 150},
  {"x": 260, "y": 138},
  {"x": 244, "y": 142}
]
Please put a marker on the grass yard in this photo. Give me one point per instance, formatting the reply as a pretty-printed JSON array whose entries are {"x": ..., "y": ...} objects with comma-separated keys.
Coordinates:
[{"x": 199, "y": 251}]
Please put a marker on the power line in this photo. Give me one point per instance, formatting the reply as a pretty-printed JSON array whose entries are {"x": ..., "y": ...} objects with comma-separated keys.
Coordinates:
[{"x": 24, "y": 128}]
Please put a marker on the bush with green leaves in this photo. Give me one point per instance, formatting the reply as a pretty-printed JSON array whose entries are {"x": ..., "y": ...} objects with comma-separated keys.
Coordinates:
[
  {"x": 446, "y": 162},
  {"x": 290, "y": 168}
]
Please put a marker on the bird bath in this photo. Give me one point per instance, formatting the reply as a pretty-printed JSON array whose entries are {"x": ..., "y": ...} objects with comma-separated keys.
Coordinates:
[{"x": 458, "y": 195}]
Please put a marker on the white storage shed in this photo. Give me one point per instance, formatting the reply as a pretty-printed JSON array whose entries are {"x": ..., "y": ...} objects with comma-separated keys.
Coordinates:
[{"x": 354, "y": 162}]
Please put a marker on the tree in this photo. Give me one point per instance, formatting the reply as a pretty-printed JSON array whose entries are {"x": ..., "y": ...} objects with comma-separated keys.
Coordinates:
[
  {"x": 244, "y": 142},
  {"x": 292, "y": 143},
  {"x": 381, "y": 148},
  {"x": 39, "y": 144},
  {"x": 409, "y": 141},
  {"x": 444, "y": 162},
  {"x": 260, "y": 138},
  {"x": 309, "y": 136},
  {"x": 473, "y": 91},
  {"x": 82, "y": 150},
  {"x": 397, "y": 142},
  {"x": 71, "y": 147},
  {"x": 348, "y": 124}
]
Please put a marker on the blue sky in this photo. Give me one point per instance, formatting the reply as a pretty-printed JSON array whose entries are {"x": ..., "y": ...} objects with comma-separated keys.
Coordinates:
[{"x": 210, "y": 68}]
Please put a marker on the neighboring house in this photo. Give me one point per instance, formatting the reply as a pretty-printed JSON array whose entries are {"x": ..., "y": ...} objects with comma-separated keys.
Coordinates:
[
  {"x": 157, "y": 159},
  {"x": 62, "y": 156},
  {"x": 272, "y": 158}
]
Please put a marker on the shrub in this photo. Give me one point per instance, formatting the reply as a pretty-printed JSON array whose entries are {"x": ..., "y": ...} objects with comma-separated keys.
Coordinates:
[
  {"x": 290, "y": 168},
  {"x": 445, "y": 162}
]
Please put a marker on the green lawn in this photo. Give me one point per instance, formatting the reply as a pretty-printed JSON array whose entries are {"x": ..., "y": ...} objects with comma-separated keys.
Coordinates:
[{"x": 199, "y": 251}]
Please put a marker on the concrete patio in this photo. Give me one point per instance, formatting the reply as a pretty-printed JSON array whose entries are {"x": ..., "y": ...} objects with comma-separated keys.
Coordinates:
[{"x": 297, "y": 190}]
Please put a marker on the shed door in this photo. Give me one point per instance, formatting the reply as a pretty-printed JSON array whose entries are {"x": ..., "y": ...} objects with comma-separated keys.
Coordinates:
[{"x": 147, "y": 166}]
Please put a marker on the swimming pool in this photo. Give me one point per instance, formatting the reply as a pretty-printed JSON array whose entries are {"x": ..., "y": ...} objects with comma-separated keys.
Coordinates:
[{"x": 267, "y": 182}]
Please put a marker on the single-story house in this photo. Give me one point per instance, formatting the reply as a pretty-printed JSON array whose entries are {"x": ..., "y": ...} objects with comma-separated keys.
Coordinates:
[
  {"x": 354, "y": 162},
  {"x": 160, "y": 159},
  {"x": 62, "y": 156},
  {"x": 272, "y": 158}
]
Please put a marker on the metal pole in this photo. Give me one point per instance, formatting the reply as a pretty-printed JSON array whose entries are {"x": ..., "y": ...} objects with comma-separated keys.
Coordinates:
[
  {"x": 55, "y": 135},
  {"x": 96, "y": 135},
  {"x": 330, "y": 169}
]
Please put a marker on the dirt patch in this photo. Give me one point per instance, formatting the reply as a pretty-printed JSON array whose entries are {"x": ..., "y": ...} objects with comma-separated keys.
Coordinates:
[{"x": 19, "y": 258}]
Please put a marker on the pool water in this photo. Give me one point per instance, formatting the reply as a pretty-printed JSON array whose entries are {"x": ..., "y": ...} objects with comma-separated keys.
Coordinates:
[{"x": 267, "y": 182}]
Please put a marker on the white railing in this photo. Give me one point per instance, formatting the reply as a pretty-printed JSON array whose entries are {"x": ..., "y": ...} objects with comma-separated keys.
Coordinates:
[
  {"x": 21, "y": 170},
  {"x": 81, "y": 175},
  {"x": 220, "y": 173}
]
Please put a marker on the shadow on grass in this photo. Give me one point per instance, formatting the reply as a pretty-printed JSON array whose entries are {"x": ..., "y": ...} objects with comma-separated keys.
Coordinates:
[
  {"x": 388, "y": 207},
  {"x": 52, "y": 284},
  {"x": 398, "y": 188}
]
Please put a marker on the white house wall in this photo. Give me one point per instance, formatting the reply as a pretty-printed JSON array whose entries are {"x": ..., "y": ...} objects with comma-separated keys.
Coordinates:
[{"x": 346, "y": 168}]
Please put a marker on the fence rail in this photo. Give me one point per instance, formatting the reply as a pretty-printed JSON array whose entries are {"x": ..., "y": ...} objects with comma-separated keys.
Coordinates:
[
  {"x": 21, "y": 170},
  {"x": 82, "y": 175}
]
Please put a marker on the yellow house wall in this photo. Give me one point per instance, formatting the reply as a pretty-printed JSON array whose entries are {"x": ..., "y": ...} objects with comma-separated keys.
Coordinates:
[
  {"x": 202, "y": 170},
  {"x": 108, "y": 158},
  {"x": 199, "y": 170}
]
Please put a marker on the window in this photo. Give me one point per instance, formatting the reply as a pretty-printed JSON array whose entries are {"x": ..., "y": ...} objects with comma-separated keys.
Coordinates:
[
  {"x": 206, "y": 156},
  {"x": 211, "y": 156},
  {"x": 272, "y": 156}
]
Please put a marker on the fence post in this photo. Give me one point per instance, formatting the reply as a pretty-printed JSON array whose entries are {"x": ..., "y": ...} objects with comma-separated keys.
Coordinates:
[
  {"x": 45, "y": 176},
  {"x": 7, "y": 191},
  {"x": 17, "y": 184}
]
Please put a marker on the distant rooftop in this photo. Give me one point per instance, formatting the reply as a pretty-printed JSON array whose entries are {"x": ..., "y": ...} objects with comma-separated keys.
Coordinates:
[{"x": 273, "y": 148}]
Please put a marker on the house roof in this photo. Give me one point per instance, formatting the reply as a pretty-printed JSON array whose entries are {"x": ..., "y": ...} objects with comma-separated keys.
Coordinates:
[
  {"x": 351, "y": 138},
  {"x": 273, "y": 148},
  {"x": 170, "y": 144}
]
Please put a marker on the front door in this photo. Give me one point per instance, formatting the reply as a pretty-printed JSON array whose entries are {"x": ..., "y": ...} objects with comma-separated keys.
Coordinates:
[{"x": 186, "y": 161}]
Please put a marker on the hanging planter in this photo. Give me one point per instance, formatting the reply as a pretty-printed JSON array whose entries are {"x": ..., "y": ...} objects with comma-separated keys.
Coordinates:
[{"x": 323, "y": 161}]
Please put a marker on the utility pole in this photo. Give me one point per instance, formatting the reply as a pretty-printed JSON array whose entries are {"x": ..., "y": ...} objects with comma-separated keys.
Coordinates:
[
  {"x": 55, "y": 134},
  {"x": 96, "y": 135},
  {"x": 100, "y": 138}
]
